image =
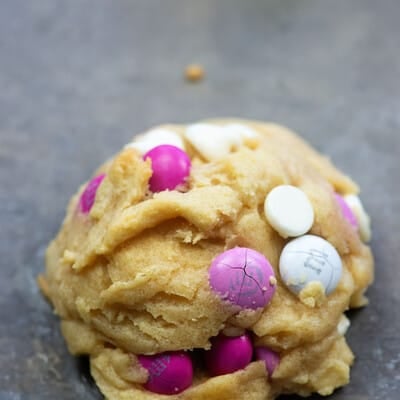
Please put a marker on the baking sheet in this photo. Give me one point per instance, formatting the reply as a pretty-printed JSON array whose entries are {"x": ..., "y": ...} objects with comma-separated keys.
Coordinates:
[{"x": 79, "y": 78}]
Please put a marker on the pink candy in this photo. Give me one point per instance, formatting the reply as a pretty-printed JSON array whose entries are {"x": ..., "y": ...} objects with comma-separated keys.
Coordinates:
[
  {"x": 170, "y": 165},
  {"x": 89, "y": 194},
  {"x": 228, "y": 354},
  {"x": 270, "y": 358},
  {"x": 346, "y": 210},
  {"x": 243, "y": 277},
  {"x": 169, "y": 373}
]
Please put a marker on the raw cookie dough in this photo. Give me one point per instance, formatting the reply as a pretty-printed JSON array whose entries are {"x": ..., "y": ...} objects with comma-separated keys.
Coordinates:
[{"x": 129, "y": 272}]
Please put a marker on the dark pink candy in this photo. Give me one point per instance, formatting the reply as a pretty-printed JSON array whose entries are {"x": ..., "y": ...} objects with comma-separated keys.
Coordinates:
[
  {"x": 270, "y": 358},
  {"x": 242, "y": 276},
  {"x": 169, "y": 373},
  {"x": 346, "y": 210},
  {"x": 170, "y": 165},
  {"x": 89, "y": 194},
  {"x": 228, "y": 354}
]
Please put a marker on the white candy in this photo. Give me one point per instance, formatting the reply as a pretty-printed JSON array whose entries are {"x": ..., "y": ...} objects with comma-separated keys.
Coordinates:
[
  {"x": 363, "y": 219},
  {"x": 154, "y": 138},
  {"x": 343, "y": 325},
  {"x": 308, "y": 259},
  {"x": 289, "y": 211}
]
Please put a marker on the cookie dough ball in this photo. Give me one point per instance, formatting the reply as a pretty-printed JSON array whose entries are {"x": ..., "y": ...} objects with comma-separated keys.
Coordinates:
[{"x": 212, "y": 261}]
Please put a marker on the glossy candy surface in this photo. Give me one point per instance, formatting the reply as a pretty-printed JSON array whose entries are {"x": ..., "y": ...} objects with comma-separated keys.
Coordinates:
[
  {"x": 346, "y": 210},
  {"x": 170, "y": 165},
  {"x": 310, "y": 258},
  {"x": 169, "y": 373},
  {"x": 243, "y": 276},
  {"x": 88, "y": 196},
  {"x": 270, "y": 358},
  {"x": 228, "y": 354}
]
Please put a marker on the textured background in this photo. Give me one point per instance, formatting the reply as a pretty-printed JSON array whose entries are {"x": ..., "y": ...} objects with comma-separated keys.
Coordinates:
[{"x": 78, "y": 78}]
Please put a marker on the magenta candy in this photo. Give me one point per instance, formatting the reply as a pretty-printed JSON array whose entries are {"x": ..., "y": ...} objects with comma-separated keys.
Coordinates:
[
  {"x": 169, "y": 373},
  {"x": 170, "y": 165},
  {"x": 228, "y": 354},
  {"x": 346, "y": 210},
  {"x": 270, "y": 358},
  {"x": 89, "y": 194},
  {"x": 244, "y": 277}
]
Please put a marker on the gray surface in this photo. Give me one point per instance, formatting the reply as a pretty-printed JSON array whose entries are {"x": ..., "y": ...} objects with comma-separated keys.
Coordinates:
[{"x": 78, "y": 78}]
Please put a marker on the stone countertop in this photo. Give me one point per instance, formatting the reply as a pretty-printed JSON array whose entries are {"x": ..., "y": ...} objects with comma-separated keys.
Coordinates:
[{"x": 79, "y": 78}]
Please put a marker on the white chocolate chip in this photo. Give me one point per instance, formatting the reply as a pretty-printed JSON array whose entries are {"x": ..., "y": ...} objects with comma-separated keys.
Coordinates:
[
  {"x": 154, "y": 138},
  {"x": 364, "y": 223},
  {"x": 213, "y": 141},
  {"x": 289, "y": 211},
  {"x": 310, "y": 258},
  {"x": 244, "y": 131},
  {"x": 343, "y": 325}
]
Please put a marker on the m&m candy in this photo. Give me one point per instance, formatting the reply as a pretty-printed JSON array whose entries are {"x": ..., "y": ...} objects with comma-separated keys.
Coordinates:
[
  {"x": 169, "y": 372},
  {"x": 271, "y": 358},
  {"x": 310, "y": 258},
  {"x": 346, "y": 210},
  {"x": 228, "y": 354},
  {"x": 243, "y": 277},
  {"x": 170, "y": 166},
  {"x": 88, "y": 196}
]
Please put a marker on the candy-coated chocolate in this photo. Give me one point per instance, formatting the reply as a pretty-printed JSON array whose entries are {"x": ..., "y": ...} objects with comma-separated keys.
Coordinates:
[
  {"x": 346, "y": 210},
  {"x": 308, "y": 259},
  {"x": 289, "y": 211},
  {"x": 243, "y": 277},
  {"x": 169, "y": 373},
  {"x": 270, "y": 358},
  {"x": 228, "y": 354},
  {"x": 88, "y": 196},
  {"x": 170, "y": 165}
]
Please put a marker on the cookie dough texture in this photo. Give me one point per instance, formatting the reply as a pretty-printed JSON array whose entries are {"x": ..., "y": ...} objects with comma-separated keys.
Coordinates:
[{"x": 132, "y": 276}]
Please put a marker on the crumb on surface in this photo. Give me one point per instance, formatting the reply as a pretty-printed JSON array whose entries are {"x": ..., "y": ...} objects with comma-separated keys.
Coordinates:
[
  {"x": 194, "y": 72},
  {"x": 69, "y": 257}
]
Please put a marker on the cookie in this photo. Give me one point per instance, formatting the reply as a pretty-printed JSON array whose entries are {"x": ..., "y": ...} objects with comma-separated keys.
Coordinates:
[{"x": 212, "y": 261}]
